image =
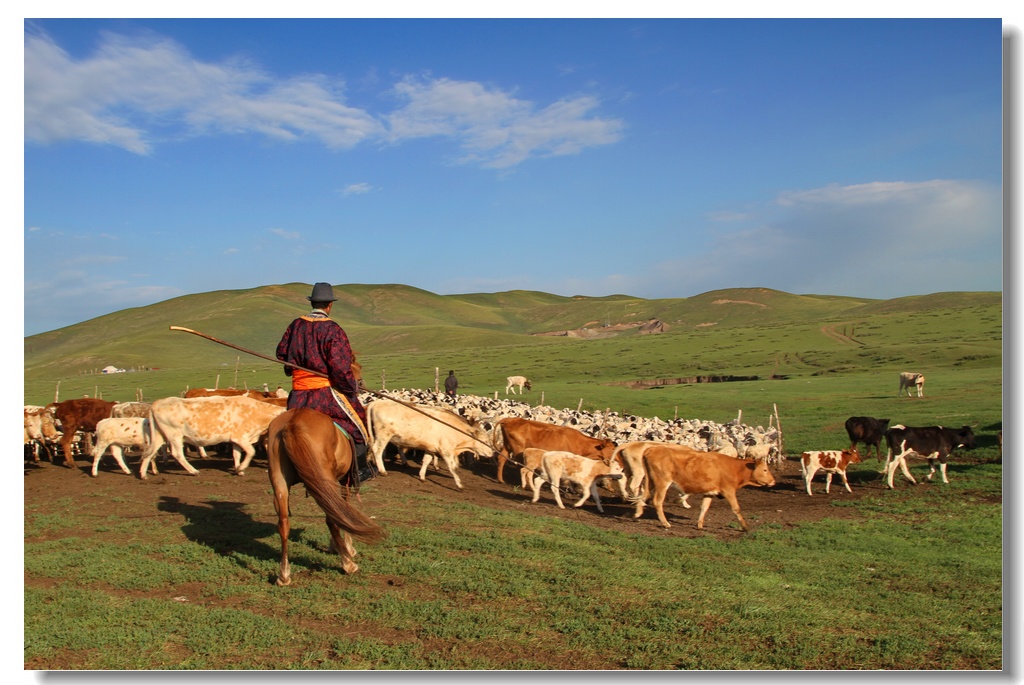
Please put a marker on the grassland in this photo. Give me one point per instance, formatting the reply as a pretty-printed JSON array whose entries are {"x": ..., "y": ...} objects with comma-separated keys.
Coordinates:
[{"x": 176, "y": 578}]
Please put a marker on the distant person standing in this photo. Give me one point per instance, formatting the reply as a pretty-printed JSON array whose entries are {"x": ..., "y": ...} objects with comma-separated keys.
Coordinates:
[
  {"x": 451, "y": 384},
  {"x": 317, "y": 343}
]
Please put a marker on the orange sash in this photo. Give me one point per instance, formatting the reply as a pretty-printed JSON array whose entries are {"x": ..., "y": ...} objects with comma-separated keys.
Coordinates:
[{"x": 304, "y": 380}]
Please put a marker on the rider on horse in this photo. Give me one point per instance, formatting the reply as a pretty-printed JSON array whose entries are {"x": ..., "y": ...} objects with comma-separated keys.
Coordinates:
[{"x": 316, "y": 342}]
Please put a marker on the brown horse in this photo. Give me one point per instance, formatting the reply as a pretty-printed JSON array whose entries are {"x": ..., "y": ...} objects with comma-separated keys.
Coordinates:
[{"x": 305, "y": 446}]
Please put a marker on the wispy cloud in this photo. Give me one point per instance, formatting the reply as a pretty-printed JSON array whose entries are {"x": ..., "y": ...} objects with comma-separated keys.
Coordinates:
[
  {"x": 356, "y": 189},
  {"x": 287, "y": 235},
  {"x": 133, "y": 92}
]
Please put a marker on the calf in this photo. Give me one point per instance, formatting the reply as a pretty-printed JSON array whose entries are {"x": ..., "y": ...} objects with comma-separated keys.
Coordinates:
[
  {"x": 513, "y": 435},
  {"x": 705, "y": 473},
  {"x": 118, "y": 434},
  {"x": 932, "y": 442},
  {"x": 517, "y": 382},
  {"x": 908, "y": 380},
  {"x": 829, "y": 461},
  {"x": 584, "y": 472},
  {"x": 868, "y": 430},
  {"x": 78, "y": 415}
]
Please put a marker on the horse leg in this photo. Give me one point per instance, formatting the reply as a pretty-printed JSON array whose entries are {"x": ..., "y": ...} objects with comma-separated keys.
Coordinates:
[
  {"x": 343, "y": 545},
  {"x": 284, "y": 575}
]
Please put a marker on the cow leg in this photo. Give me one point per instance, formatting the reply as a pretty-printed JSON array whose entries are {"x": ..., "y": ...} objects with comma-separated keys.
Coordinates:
[
  {"x": 888, "y": 460},
  {"x": 249, "y": 451},
  {"x": 501, "y": 465},
  {"x": 942, "y": 467},
  {"x": 555, "y": 480},
  {"x": 808, "y": 477},
  {"x": 118, "y": 454},
  {"x": 424, "y": 465},
  {"x": 593, "y": 493},
  {"x": 730, "y": 497},
  {"x": 97, "y": 452},
  {"x": 537, "y": 484},
  {"x": 178, "y": 452},
  {"x": 343, "y": 545},
  {"x": 65, "y": 445},
  {"x": 828, "y": 482},
  {"x": 658, "y": 500},
  {"x": 380, "y": 442},
  {"x": 846, "y": 482},
  {"x": 705, "y": 504}
]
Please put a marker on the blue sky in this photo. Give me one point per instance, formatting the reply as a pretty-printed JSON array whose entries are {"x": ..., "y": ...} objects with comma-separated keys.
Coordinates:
[{"x": 649, "y": 157}]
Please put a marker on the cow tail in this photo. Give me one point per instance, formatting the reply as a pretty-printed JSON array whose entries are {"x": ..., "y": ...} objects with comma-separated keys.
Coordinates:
[
  {"x": 311, "y": 461},
  {"x": 498, "y": 438}
]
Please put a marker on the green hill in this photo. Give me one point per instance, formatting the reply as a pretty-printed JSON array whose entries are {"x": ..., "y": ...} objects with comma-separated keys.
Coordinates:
[{"x": 404, "y": 336}]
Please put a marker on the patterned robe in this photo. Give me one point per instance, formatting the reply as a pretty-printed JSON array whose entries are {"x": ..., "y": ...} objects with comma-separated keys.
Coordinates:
[{"x": 317, "y": 343}]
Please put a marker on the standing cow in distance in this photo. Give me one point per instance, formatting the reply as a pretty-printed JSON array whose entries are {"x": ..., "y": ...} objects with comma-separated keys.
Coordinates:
[
  {"x": 909, "y": 380},
  {"x": 870, "y": 431},
  {"x": 517, "y": 382}
]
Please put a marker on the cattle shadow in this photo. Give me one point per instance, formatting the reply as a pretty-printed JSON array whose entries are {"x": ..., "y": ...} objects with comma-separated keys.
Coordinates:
[{"x": 226, "y": 529}]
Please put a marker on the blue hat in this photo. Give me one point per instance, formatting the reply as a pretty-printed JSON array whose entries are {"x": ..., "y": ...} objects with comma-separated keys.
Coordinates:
[{"x": 322, "y": 292}]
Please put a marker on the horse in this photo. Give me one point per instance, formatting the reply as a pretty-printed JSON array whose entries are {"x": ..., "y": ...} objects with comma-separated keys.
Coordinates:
[{"x": 305, "y": 446}]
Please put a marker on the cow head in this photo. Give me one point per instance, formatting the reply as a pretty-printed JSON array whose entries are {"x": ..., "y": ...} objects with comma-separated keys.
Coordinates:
[
  {"x": 852, "y": 456},
  {"x": 966, "y": 438},
  {"x": 760, "y": 473}
]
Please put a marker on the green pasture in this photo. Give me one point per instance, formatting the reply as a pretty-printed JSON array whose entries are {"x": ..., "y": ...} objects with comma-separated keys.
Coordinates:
[{"x": 912, "y": 581}]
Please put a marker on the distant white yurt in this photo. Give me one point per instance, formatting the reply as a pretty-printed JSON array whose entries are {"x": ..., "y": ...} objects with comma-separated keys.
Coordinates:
[{"x": 112, "y": 369}]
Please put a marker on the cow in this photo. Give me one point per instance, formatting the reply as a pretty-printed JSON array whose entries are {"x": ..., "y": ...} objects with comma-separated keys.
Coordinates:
[
  {"x": 78, "y": 415},
  {"x": 631, "y": 456},
  {"x": 584, "y": 472},
  {"x": 124, "y": 410},
  {"x": 517, "y": 382},
  {"x": 433, "y": 430},
  {"x": 910, "y": 380},
  {"x": 869, "y": 431},
  {"x": 829, "y": 461},
  {"x": 119, "y": 433},
  {"x": 39, "y": 431},
  {"x": 931, "y": 442},
  {"x": 205, "y": 421},
  {"x": 703, "y": 473},
  {"x": 512, "y": 435}
]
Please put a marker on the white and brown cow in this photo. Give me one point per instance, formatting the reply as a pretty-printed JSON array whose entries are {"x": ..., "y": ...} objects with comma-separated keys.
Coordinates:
[
  {"x": 118, "y": 434},
  {"x": 433, "y": 430},
  {"x": 205, "y": 421},
  {"x": 557, "y": 466},
  {"x": 830, "y": 462},
  {"x": 703, "y": 473},
  {"x": 910, "y": 380},
  {"x": 514, "y": 382}
]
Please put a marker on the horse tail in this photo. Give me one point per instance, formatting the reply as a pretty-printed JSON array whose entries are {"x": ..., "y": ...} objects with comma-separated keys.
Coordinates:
[{"x": 303, "y": 450}]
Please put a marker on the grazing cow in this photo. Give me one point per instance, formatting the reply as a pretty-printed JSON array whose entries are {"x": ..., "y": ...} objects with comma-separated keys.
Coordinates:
[
  {"x": 433, "y": 430},
  {"x": 910, "y": 380},
  {"x": 557, "y": 466},
  {"x": 205, "y": 421},
  {"x": 704, "y": 473},
  {"x": 517, "y": 382},
  {"x": 829, "y": 461},
  {"x": 868, "y": 430},
  {"x": 932, "y": 442},
  {"x": 78, "y": 415},
  {"x": 513, "y": 435},
  {"x": 118, "y": 434}
]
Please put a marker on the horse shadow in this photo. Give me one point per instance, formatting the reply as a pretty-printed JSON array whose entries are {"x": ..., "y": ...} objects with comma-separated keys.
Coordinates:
[{"x": 229, "y": 531}]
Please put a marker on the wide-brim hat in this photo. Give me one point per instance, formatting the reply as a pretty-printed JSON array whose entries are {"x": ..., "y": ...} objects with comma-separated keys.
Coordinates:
[{"x": 322, "y": 292}]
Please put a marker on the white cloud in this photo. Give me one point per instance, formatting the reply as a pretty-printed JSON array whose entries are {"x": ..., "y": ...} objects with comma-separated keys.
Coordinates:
[
  {"x": 231, "y": 250},
  {"x": 493, "y": 127},
  {"x": 132, "y": 91},
  {"x": 287, "y": 235},
  {"x": 356, "y": 189}
]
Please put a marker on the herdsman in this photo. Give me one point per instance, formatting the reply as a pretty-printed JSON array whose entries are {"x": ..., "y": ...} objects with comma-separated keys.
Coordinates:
[{"x": 317, "y": 343}]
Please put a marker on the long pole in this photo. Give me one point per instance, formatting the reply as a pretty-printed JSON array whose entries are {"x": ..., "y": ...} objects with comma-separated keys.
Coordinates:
[{"x": 322, "y": 375}]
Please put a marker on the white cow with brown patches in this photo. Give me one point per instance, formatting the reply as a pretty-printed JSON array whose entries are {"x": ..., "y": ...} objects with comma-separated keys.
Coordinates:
[
  {"x": 119, "y": 434},
  {"x": 557, "y": 466},
  {"x": 205, "y": 421},
  {"x": 829, "y": 461}
]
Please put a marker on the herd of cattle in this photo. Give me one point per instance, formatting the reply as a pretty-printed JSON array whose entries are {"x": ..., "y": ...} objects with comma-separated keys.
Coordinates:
[{"x": 645, "y": 457}]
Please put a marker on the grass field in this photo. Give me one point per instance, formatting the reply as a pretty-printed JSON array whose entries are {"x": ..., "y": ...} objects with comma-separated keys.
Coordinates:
[{"x": 905, "y": 579}]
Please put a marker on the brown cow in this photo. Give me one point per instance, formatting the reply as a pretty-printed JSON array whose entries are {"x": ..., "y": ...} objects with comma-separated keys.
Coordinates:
[
  {"x": 513, "y": 435},
  {"x": 78, "y": 415},
  {"x": 704, "y": 473}
]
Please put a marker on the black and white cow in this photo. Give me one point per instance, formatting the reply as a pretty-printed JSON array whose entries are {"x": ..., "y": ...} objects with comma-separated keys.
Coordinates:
[
  {"x": 932, "y": 442},
  {"x": 868, "y": 430}
]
